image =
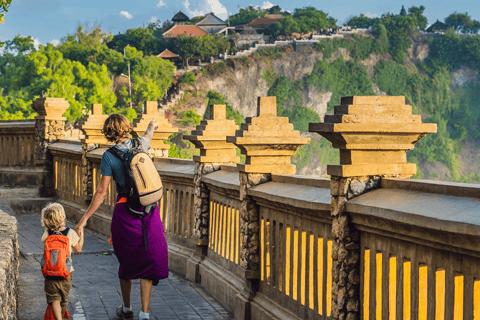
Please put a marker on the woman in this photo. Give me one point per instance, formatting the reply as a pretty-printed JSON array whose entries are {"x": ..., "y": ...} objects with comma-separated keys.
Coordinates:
[{"x": 149, "y": 265}]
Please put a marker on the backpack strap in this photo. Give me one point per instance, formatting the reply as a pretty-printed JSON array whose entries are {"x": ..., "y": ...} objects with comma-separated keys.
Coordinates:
[{"x": 64, "y": 232}]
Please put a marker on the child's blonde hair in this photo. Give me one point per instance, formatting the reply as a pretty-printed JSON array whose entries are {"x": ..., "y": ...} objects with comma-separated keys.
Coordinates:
[{"x": 53, "y": 216}]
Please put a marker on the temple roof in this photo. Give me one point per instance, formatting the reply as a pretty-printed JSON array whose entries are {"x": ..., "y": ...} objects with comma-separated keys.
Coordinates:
[
  {"x": 189, "y": 30},
  {"x": 180, "y": 17},
  {"x": 211, "y": 20},
  {"x": 263, "y": 22},
  {"x": 437, "y": 26},
  {"x": 166, "y": 54}
]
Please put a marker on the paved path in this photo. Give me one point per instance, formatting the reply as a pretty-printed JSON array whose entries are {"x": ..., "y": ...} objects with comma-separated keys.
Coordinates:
[{"x": 95, "y": 293}]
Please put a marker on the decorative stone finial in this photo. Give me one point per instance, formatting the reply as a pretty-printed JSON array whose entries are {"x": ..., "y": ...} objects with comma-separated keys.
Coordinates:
[
  {"x": 268, "y": 141},
  {"x": 50, "y": 108},
  {"x": 92, "y": 126},
  {"x": 164, "y": 130},
  {"x": 373, "y": 134},
  {"x": 211, "y": 138}
]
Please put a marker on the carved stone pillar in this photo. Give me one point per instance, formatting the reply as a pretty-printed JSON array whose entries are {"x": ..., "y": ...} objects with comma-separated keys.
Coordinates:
[
  {"x": 373, "y": 134},
  {"x": 91, "y": 126},
  {"x": 210, "y": 138},
  {"x": 268, "y": 142},
  {"x": 158, "y": 148},
  {"x": 49, "y": 128}
]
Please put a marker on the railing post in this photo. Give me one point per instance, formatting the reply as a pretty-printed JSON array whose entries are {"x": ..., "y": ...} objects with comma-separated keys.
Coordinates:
[
  {"x": 49, "y": 128},
  {"x": 210, "y": 137},
  {"x": 91, "y": 126},
  {"x": 373, "y": 134},
  {"x": 268, "y": 142},
  {"x": 158, "y": 148}
]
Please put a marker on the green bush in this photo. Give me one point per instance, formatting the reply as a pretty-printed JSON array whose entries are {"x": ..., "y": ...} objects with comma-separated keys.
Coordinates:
[
  {"x": 187, "y": 78},
  {"x": 213, "y": 97},
  {"x": 190, "y": 118}
]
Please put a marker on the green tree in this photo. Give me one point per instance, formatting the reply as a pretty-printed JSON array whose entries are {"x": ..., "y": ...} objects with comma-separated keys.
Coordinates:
[
  {"x": 417, "y": 14},
  {"x": 303, "y": 21},
  {"x": 361, "y": 21},
  {"x": 245, "y": 16},
  {"x": 20, "y": 44},
  {"x": 462, "y": 22},
  {"x": 274, "y": 10},
  {"x": 143, "y": 39},
  {"x": 4, "y": 4}
]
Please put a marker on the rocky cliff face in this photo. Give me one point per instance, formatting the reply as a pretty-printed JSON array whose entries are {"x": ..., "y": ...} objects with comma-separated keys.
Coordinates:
[{"x": 241, "y": 84}]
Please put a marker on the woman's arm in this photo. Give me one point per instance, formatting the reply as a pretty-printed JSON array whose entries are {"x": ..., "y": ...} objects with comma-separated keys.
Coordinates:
[
  {"x": 152, "y": 126},
  {"x": 97, "y": 200}
]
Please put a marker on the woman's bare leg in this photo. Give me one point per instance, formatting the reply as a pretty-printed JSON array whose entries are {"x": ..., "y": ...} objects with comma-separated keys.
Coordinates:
[
  {"x": 145, "y": 293},
  {"x": 126, "y": 287}
]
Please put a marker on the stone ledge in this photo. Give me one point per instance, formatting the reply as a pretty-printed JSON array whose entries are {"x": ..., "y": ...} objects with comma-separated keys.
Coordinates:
[
  {"x": 302, "y": 180},
  {"x": 223, "y": 179},
  {"x": 305, "y": 197},
  {"x": 440, "y": 187},
  {"x": 8, "y": 267},
  {"x": 426, "y": 210}
]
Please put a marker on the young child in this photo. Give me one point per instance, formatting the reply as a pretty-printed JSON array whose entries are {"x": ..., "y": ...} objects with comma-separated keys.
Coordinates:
[{"x": 57, "y": 288}]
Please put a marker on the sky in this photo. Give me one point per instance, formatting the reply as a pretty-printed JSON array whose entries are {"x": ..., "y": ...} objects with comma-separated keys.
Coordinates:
[{"x": 51, "y": 20}]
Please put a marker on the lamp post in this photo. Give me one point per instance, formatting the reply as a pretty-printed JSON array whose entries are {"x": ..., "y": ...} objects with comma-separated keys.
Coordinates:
[{"x": 129, "y": 83}]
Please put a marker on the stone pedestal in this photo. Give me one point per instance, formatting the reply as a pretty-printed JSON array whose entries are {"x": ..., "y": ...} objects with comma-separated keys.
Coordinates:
[
  {"x": 373, "y": 134},
  {"x": 210, "y": 138},
  {"x": 49, "y": 128},
  {"x": 91, "y": 126},
  {"x": 268, "y": 142},
  {"x": 158, "y": 148}
]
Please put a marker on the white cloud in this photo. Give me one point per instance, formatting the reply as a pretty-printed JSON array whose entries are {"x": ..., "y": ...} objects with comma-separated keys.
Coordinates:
[
  {"x": 161, "y": 4},
  {"x": 36, "y": 43},
  {"x": 55, "y": 42},
  {"x": 153, "y": 19},
  {"x": 267, "y": 5},
  {"x": 202, "y": 7},
  {"x": 126, "y": 14}
]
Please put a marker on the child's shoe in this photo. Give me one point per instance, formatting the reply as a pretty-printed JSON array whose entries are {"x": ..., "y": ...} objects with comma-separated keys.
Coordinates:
[{"x": 124, "y": 315}]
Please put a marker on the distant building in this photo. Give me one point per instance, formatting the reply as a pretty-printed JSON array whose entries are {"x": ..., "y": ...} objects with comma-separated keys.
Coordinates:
[
  {"x": 437, "y": 27},
  {"x": 212, "y": 24},
  {"x": 260, "y": 25},
  {"x": 180, "y": 18},
  {"x": 167, "y": 54},
  {"x": 188, "y": 30}
]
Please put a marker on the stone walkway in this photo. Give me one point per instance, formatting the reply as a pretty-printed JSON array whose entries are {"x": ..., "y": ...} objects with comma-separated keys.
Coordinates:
[{"x": 95, "y": 293}]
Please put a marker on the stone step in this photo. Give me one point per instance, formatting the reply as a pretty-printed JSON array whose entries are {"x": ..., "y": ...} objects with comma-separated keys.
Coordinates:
[{"x": 19, "y": 192}]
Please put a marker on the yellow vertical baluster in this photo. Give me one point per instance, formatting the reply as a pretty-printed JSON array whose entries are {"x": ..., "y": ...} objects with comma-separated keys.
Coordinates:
[
  {"x": 329, "y": 277},
  {"x": 378, "y": 289},
  {"x": 440, "y": 294},
  {"x": 320, "y": 275},
  {"x": 366, "y": 285},
  {"x": 458, "y": 307},
  {"x": 407, "y": 289},
  {"x": 392, "y": 289},
  {"x": 422, "y": 292}
]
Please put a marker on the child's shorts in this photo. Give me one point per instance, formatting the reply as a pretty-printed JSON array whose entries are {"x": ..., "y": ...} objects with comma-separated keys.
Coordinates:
[{"x": 58, "y": 289}]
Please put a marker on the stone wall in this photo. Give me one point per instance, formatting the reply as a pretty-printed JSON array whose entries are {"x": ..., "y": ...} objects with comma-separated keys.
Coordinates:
[{"x": 8, "y": 267}]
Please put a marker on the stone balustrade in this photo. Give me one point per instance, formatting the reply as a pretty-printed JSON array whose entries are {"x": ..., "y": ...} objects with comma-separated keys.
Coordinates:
[{"x": 364, "y": 244}]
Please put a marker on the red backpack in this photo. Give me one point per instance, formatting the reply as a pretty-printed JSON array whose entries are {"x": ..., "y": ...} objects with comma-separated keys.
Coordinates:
[{"x": 56, "y": 255}]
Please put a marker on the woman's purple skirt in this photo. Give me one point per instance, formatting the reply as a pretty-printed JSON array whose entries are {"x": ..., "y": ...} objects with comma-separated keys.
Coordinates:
[{"x": 129, "y": 245}]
